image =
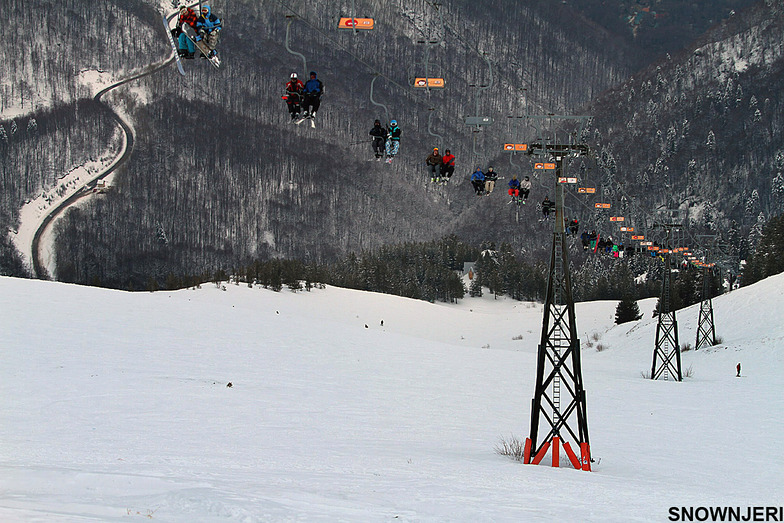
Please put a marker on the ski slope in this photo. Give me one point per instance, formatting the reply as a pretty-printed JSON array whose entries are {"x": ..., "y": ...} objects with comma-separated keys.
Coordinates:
[{"x": 114, "y": 406}]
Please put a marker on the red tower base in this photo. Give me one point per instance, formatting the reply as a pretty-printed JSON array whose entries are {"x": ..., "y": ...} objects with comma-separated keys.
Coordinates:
[{"x": 583, "y": 462}]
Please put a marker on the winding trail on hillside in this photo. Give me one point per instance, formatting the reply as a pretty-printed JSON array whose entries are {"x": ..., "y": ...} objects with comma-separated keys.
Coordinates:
[{"x": 39, "y": 268}]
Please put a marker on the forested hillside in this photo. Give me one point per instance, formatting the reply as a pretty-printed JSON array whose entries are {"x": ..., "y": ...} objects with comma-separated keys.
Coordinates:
[
  {"x": 656, "y": 27},
  {"x": 701, "y": 131},
  {"x": 218, "y": 167},
  {"x": 219, "y": 178}
]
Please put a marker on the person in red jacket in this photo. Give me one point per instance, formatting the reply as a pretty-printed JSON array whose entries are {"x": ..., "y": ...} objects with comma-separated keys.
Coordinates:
[
  {"x": 293, "y": 96},
  {"x": 187, "y": 16},
  {"x": 447, "y": 165}
]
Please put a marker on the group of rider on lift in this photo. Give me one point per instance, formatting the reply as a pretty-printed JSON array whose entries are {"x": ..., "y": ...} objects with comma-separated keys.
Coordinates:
[
  {"x": 304, "y": 99},
  {"x": 207, "y": 27}
]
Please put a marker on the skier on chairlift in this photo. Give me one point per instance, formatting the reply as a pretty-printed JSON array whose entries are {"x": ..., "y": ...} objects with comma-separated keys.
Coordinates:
[
  {"x": 293, "y": 96},
  {"x": 433, "y": 161},
  {"x": 514, "y": 190},
  {"x": 312, "y": 96},
  {"x": 490, "y": 178},
  {"x": 208, "y": 27},
  {"x": 393, "y": 141},
  {"x": 547, "y": 206},
  {"x": 379, "y": 134},
  {"x": 478, "y": 181},
  {"x": 447, "y": 165},
  {"x": 525, "y": 188}
]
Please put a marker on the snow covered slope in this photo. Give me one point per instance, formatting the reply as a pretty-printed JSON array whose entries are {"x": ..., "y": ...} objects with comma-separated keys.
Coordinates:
[{"x": 114, "y": 406}]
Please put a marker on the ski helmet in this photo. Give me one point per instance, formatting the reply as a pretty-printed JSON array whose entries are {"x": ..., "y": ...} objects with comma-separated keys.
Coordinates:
[
  {"x": 293, "y": 76},
  {"x": 377, "y": 122},
  {"x": 393, "y": 122},
  {"x": 435, "y": 149}
]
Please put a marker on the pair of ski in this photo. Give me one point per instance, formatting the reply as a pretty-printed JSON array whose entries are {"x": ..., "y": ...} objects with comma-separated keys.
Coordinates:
[
  {"x": 312, "y": 123},
  {"x": 200, "y": 45}
]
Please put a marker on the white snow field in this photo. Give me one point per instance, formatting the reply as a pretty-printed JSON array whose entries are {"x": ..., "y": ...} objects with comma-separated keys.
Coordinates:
[{"x": 114, "y": 406}]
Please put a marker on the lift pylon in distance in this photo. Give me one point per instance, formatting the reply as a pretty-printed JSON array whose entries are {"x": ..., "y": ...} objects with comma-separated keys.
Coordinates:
[
  {"x": 706, "y": 331},
  {"x": 667, "y": 352},
  {"x": 558, "y": 407}
]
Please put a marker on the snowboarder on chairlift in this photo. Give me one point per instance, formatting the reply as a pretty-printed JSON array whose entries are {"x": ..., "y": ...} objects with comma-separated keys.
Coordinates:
[
  {"x": 293, "y": 95},
  {"x": 379, "y": 134},
  {"x": 208, "y": 28},
  {"x": 434, "y": 162},
  {"x": 186, "y": 48},
  {"x": 478, "y": 181},
  {"x": 312, "y": 96},
  {"x": 393, "y": 140},
  {"x": 447, "y": 165}
]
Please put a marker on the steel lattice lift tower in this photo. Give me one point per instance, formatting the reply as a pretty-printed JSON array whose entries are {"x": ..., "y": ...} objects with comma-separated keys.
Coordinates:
[
  {"x": 706, "y": 331},
  {"x": 667, "y": 347},
  {"x": 558, "y": 405}
]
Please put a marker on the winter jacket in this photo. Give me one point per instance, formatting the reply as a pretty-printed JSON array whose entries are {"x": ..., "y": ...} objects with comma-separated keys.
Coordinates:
[
  {"x": 190, "y": 17},
  {"x": 314, "y": 86},
  {"x": 448, "y": 159},
  {"x": 478, "y": 175},
  {"x": 295, "y": 86},
  {"x": 433, "y": 159},
  {"x": 514, "y": 183},
  {"x": 208, "y": 23},
  {"x": 394, "y": 133},
  {"x": 491, "y": 176},
  {"x": 378, "y": 132},
  {"x": 525, "y": 185}
]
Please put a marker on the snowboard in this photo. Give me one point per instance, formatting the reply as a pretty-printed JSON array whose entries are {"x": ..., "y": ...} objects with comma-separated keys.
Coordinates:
[
  {"x": 201, "y": 46},
  {"x": 173, "y": 45}
]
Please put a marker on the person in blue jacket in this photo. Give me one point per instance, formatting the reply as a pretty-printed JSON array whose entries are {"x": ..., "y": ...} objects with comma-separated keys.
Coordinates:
[
  {"x": 514, "y": 189},
  {"x": 312, "y": 92},
  {"x": 478, "y": 181},
  {"x": 208, "y": 28}
]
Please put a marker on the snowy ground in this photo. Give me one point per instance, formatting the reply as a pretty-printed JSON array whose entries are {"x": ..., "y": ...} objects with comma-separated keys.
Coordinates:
[{"x": 114, "y": 406}]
